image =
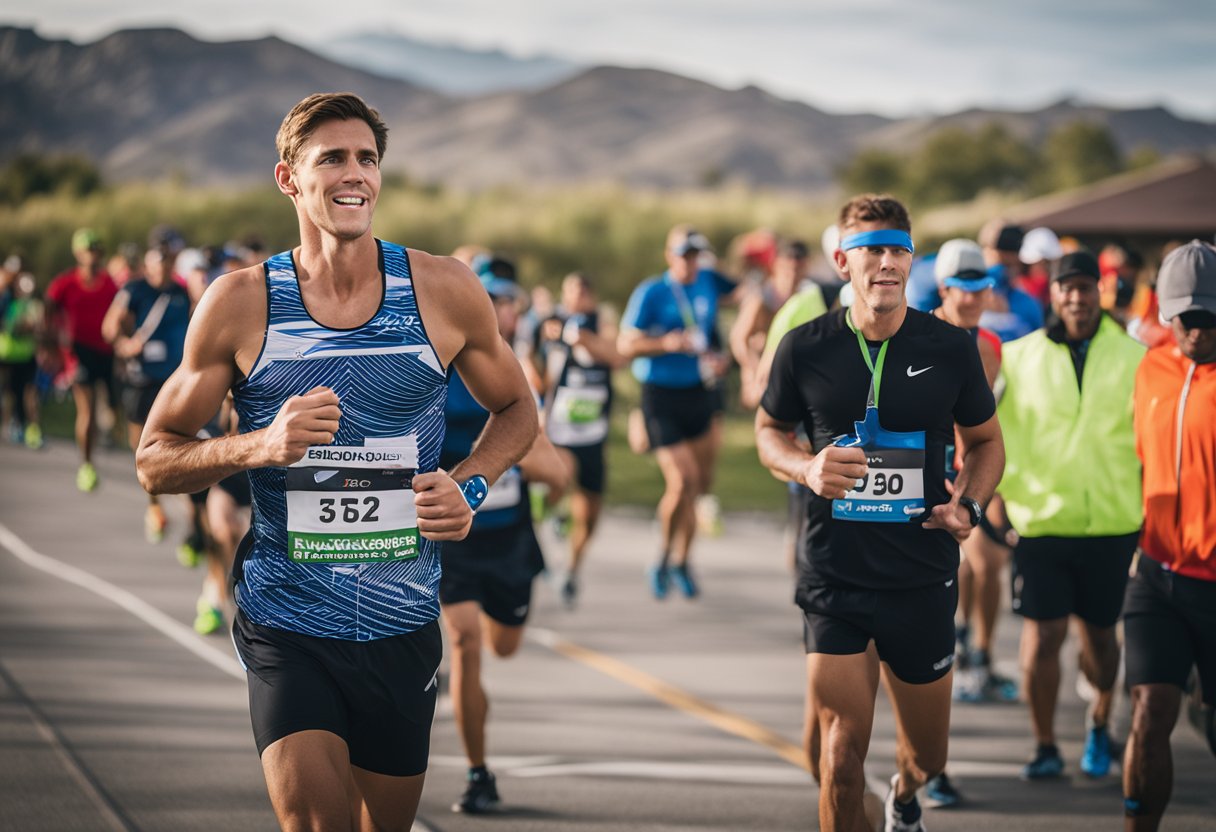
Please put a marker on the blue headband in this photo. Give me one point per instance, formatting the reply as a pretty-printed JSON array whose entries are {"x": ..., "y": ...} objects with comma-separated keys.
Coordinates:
[
  {"x": 886, "y": 237},
  {"x": 972, "y": 284}
]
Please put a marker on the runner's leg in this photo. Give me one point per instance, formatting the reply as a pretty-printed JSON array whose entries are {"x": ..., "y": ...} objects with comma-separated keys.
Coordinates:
[
  {"x": 388, "y": 804},
  {"x": 1099, "y": 660},
  {"x": 841, "y": 691},
  {"x": 922, "y": 724},
  {"x": 308, "y": 775},
  {"x": 85, "y": 396},
  {"x": 1148, "y": 764},
  {"x": 677, "y": 518},
  {"x": 470, "y": 706},
  {"x": 1040, "y": 657}
]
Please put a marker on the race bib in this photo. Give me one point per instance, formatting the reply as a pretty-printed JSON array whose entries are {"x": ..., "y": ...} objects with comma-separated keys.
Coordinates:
[
  {"x": 893, "y": 489},
  {"x": 578, "y": 417},
  {"x": 358, "y": 508}
]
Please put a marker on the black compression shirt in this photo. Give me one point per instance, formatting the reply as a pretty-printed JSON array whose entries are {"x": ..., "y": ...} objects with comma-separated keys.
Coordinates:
[{"x": 932, "y": 379}]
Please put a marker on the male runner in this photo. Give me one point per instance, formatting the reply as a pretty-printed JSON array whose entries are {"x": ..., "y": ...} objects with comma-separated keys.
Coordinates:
[
  {"x": 1072, "y": 491},
  {"x": 337, "y": 353},
  {"x": 1169, "y": 612},
  {"x": 668, "y": 330},
  {"x": 487, "y": 577},
  {"x": 577, "y": 354},
  {"x": 879, "y": 389},
  {"x": 146, "y": 324},
  {"x": 1011, "y": 313},
  {"x": 83, "y": 294}
]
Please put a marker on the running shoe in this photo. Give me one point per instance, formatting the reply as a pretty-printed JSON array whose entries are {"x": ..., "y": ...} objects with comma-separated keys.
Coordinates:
[
  {"x": 560, "y": 524},
  {"x": 968, "y": 685},
  {"x": 901, "y": 817},
  {"x": 659, "y": 581},
  {"x": 33, "y": 437},
  {"x": 208, "y": 618},
  {"x": 569, "y": 591},
  {"x": 1095, "y": 760},
  {"x": 683, "y": 579},
  {"x": 86, "y": 477},
  {"x": 940, "y": 793},
  {"x": 1046, "y": 765},
  {"x": 191, "y": 551},
  {"x": 998, "y": 688},
  {"x": 16, "y": 434},
  {"x": 480, "y": 795},
  {"x": 155, "y": 523}
]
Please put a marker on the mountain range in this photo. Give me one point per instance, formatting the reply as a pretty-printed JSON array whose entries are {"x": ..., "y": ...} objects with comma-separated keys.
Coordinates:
[{"x": 146, "y": 103}]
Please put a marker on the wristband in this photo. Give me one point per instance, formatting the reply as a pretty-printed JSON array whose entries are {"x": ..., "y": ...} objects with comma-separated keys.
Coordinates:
[{"x": 475, "y": 490}]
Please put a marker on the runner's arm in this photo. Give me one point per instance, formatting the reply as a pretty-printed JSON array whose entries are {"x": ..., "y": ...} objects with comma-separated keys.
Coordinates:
[
  {"x": 171, "y": 459},
  {"x": 831, "y": 473},
  {"x": 633, "y": 343},
  {"x": 746, "y": 326},
  {"x": 983, "y": 465}
]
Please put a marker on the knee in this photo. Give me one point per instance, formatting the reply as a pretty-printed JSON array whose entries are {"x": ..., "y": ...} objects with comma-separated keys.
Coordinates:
[
  {"x": 1043, "y": 642},
  {"x": 466, "y": 644},
  {"x": 683, "y": 486},
  {"x": 1154, "y": 711},
  {"x": 842, "y": 760},
  {"x": 505, "y": 645}
]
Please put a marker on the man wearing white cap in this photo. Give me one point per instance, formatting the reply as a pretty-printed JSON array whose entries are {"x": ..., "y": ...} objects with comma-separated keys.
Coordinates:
[
  {"x": 1040, "y": 248},
  {"x": 1169, "y": 611}
]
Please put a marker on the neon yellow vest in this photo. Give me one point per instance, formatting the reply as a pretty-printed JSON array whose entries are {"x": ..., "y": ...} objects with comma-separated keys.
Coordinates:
[{"x": 1070, "y": 455}]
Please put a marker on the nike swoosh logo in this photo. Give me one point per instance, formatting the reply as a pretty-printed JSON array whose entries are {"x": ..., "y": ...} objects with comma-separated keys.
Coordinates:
[{"x": 912, "y": 374}]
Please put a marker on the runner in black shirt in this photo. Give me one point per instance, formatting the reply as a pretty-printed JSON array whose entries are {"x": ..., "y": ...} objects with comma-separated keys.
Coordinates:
[{"x": 878, "y": 557}]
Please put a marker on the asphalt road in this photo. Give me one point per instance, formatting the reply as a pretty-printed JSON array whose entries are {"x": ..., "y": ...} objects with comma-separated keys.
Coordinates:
[{"x": 626, "y": 714}]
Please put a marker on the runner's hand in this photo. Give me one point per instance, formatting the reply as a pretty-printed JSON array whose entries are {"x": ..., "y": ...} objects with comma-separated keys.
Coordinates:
[
  {"x": 311, "y": 419},
  {"x": 834, "y": 471},
  {"x": 951, "y": 516},
  {"x": 443, "y": 512},
  {"x": 677, "y": 341}
]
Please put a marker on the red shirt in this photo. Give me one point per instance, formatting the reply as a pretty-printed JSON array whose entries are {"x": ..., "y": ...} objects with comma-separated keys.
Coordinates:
[
  {"x": 84, "y": 306},
  {"x": 1179, "y": 465}
]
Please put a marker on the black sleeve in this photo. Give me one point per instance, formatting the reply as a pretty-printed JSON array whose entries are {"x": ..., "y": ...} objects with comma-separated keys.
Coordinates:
[
  {"x": 975, "y": 404},
  {"x": 782, "y": 399}
]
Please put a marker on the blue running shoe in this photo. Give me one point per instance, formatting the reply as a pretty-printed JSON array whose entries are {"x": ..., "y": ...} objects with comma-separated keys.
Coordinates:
[
  {"x": 940, "y": 793},
  {"x": 1046, "y": 765},
  {"x": 659, "y": 581},
  {"x": 683, "y": 579},
  {"x": 1095, "y": 761}
]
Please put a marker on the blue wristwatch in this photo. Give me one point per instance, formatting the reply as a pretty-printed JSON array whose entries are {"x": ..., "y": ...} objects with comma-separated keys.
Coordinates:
[{"x": 475, "y": 490}]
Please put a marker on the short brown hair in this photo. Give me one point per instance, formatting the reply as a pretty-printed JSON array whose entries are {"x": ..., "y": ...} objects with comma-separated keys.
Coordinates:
[
  {"x": 874, "y": 208},
  {"x": 318, "y": 108}
]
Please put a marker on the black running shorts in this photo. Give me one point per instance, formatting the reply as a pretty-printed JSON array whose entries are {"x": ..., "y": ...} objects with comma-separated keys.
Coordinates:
[
  {"x": 378, "y": 696},
  {"x": 591, "y": 470},
  {"x": 495, "y": 568},
  {"x": 676, "y": 414},
  {"x": 1169, "y": 626},
  {"x": 237, "y": 487},
  {"x": 912, "y": 629},
  {"x": 93, "y": 366},
  {"x": 1054, "y": 577},
  {"x": 137, "y": 400}
]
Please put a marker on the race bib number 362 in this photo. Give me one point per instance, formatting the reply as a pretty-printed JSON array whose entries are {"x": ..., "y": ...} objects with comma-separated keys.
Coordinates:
[{"x": 351, "y": 515}]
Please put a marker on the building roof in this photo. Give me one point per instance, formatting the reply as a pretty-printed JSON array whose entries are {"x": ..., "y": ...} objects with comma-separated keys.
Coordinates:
[{"x": 1175, "y": 199}]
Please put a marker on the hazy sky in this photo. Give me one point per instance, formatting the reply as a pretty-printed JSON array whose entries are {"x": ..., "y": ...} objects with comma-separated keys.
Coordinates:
[{"x": 895, "y": 57}]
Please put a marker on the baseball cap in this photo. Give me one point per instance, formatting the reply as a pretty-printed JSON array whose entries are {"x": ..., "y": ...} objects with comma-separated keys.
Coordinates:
[
  {"x": 689, "y": 240},
  {"x": 1040, "y": 244},
  {"x": 960, "y": 263},
  {"x": 1002, "y": 236},
  {"x": 1077, "y": 263},
  {"x": 501, "y": 288},
  {"x": 1187, "y": 280},
  {"x": 85, "y": 239}
]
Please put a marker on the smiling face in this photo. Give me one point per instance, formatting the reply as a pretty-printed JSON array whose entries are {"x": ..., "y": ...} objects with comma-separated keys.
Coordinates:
[
  {"x": 963, "y": 308},
  {"x": 1076, "y": 302},
  {"x": 335, "y": 179},
  {"x": 878, "y": 273}
]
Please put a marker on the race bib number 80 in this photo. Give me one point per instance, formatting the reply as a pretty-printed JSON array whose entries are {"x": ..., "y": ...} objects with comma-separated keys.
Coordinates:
[{"x": 351, "y": 515}]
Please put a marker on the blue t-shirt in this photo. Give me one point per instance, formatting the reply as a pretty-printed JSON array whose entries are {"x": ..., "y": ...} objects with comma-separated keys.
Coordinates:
[
  {"x": 1024, "y": 315},
  {"x": 922, "y": 291},
  {"x": 660, "y": 305},
  {"x": 166, "y": 342}
]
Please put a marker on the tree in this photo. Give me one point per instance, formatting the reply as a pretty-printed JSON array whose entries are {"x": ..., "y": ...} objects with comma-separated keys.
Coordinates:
[
  {"x": 1079, "y": 153},
  {"x": 873, "y": 171},
  {"x": 28, "y": 174}
]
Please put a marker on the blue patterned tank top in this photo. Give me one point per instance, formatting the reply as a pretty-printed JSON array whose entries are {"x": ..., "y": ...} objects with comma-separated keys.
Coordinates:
[{"x": 335, "y": 546}]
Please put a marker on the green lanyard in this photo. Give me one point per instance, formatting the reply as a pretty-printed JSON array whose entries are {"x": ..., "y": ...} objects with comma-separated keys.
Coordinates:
[{"x": 875, "y": 369}]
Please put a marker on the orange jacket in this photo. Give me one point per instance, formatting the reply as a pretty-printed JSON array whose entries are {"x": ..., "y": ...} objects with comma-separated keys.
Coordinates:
[{"x": 1179, "y": 476}]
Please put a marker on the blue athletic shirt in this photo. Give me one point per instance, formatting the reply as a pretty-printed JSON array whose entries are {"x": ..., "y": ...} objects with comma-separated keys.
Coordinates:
[
  {"x": 333, "y": 554},
  {"x": 1025, "y": 315},
  {"x": 660, "y": 305},
  {"x": 163, "y": 346},
  {"x": 506, "y": 505}
]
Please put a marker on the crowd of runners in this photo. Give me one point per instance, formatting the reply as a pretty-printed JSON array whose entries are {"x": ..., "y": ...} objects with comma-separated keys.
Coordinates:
[{"x": 367, "y": 436}]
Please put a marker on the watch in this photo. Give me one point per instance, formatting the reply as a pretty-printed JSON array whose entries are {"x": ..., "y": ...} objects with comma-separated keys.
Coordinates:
[
  {"x": 973, "y": 508},
  {"x": 475, "y": 490}
]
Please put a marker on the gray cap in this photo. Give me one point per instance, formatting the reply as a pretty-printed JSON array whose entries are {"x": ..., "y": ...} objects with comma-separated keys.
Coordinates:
[{"x": 1187, "y": 280}]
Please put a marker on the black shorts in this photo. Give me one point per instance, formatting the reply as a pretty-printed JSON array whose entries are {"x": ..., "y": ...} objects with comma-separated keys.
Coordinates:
[
  {"x": 676, "y": 414},
  {"x": 1169, "y": 626},
  {"x": 137, "y": 400},
  {"x": 912, "y": 629},
  {"x": 495, "y": 568},
  {"x": 591, "y": 471},
  {"x": 237, "y": 487},
  {"x": 1054, "y": 577},
  {"x": 378, "y": 696},
  {"x": 93, "y": 367}
]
